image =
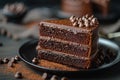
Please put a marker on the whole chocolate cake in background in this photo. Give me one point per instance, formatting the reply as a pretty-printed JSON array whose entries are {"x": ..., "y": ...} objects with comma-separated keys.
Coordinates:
[
  {"x": 82, "y": 7},
  {"x": 73, "y": 42},
  {"x": 77, "y": 7}
]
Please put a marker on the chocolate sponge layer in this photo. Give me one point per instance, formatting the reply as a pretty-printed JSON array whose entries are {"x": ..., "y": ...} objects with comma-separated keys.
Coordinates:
[
  {"x": 67, "y": 47},
  {"x": 86, "y": 37},
  {"x": 64, "y": 59},
  {"x": 83, "y": 38}
]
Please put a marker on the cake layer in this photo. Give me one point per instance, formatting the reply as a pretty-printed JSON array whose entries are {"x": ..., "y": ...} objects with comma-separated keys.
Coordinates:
[
  {"x": 64, "y": 59},
  {"x": 64, "y": 34},
  {"x": 67, "y": 25},
  {"x": 67, "y": 47},
  {"x": 67, "y": 33}
]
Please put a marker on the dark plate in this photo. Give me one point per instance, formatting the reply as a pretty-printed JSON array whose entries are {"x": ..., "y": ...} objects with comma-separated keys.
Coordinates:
[{"x": 28, "y": 51}]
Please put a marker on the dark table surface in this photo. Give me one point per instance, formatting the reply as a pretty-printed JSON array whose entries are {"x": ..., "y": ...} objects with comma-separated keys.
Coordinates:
[{"x": 10, "y": 48}]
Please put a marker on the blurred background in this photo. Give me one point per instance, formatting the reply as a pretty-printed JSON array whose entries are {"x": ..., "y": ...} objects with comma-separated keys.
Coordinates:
[{"x": 20, "y": 17}]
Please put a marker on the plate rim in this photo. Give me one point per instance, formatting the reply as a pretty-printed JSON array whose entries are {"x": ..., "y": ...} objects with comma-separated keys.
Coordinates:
[{"x": 81, "y": 70}]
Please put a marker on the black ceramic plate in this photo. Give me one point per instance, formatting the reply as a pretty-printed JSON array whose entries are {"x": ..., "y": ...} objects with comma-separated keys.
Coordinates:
[{"x": 27, "y": 52}]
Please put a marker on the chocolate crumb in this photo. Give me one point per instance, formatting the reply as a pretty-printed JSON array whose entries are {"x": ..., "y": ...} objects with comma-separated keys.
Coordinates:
[
  {"x": 35, "y": 60},
  {"x": 10, "y": 64},
  {"x": 18, "y": 75},
  {"x": 13, "y": 60},
  {"x": 17, "y": 58},
  {"x": 64, "y": 78},
  {"x": 44, "y": 76},
  {"x": 5, "y": 60},
  {"x": 54, "y": 77}
]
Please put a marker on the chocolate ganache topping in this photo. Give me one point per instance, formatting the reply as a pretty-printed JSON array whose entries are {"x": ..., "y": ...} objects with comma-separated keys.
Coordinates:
[{"x": 85, "y": 21}]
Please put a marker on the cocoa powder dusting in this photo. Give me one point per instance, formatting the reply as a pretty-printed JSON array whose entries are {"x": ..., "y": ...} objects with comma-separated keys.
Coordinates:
[{"x": 27, "y": 73}]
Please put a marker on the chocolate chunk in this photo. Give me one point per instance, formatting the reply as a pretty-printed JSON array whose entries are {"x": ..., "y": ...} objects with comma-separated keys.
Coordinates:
[
  {"x": 13, "y": 60},
  {"x": 54, "y": 77},
  {"x": 35, "y": 60},
  {"x": 44, "y": 76},
  {"x": 1, "y": 61},
  {"x": 10, "y": 64},
  {"x": 64, "y": 78},
  {"x": 18, "y": 75},
  {"x": 17, "y": 58},
  {"x": 5, "y": 60}
]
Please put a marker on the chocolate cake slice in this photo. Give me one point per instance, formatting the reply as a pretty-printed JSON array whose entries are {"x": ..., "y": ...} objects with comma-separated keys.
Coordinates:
[{"x": 74, "y": 39}]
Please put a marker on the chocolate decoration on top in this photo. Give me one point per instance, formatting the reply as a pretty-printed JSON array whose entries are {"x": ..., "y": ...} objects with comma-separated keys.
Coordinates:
[{"x": 85, "y": 21}]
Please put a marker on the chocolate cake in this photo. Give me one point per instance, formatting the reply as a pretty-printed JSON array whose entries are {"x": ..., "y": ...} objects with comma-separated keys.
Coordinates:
[
  {"x": 77, "y": 7},
  {"x": 81, "y": 7},
  {"x": 72, "y": 42}
]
